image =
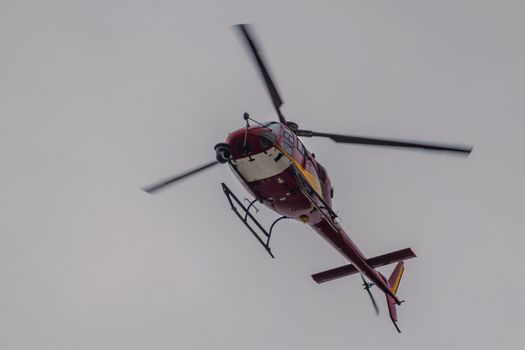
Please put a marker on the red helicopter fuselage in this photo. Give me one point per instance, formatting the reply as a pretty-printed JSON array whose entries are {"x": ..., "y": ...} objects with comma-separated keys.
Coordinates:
[
  {"x": 274, "y": 166},
  {"x": 266, "y": 159},
  {"x": 263, "y": 156}
]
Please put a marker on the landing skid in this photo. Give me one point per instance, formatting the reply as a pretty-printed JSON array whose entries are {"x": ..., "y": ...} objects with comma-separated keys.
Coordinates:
[{"x": 244, "y": 214}]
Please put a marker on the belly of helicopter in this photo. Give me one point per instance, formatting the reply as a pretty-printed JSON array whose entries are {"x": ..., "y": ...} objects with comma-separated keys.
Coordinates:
[
  {"x": 269, "y": 177},
  {"x": 262, "y": 165}
]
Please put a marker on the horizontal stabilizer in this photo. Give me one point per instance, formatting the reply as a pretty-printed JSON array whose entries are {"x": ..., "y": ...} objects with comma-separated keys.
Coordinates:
[{"x": 377, "y": 261}]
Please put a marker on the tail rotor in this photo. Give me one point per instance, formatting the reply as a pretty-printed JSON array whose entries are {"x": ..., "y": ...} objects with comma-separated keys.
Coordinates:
[{"x": 366, "y": 286}]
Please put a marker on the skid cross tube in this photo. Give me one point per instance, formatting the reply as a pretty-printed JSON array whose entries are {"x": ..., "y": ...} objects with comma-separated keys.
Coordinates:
[
  {"x": 229, "y": 194},
  {"x": 271, "y": 228}
]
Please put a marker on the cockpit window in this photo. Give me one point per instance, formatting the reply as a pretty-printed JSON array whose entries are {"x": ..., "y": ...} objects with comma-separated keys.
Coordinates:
[
  {"x": 287, "y": 147},
  {"x": 289, "y": 136},
  {"x": 266, "y": 139},
  {"x": 301, "y": 148}
]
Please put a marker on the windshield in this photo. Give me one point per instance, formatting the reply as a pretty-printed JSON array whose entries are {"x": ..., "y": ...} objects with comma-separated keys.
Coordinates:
[{"x": 274, "y": 126}]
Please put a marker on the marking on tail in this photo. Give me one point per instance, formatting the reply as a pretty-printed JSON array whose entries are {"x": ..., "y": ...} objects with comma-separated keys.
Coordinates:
[
  {"x": 393, "y": 283},
  {"x": 398, "y": 280}
]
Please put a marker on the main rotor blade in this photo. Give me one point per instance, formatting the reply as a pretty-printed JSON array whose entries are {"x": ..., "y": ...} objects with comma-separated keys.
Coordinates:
[
  {"x": 163, "y": 183},
  {"x": 386, "y": 142},
  {"x": 367, "y": 287},
  {"x": 245, "y": 32}
]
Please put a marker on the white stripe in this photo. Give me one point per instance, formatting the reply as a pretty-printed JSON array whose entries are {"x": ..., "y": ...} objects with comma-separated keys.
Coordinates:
[{"x": 262, "y": 165}]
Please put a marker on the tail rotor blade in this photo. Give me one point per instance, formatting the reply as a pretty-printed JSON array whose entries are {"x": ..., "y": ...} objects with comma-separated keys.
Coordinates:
[
  {"x": 367, "y": 286},
  {"x": 171, "y": 180}
]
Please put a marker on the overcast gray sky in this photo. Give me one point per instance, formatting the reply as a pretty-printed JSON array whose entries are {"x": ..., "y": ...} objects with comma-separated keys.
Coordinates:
[{"x": 98, "y": 98}]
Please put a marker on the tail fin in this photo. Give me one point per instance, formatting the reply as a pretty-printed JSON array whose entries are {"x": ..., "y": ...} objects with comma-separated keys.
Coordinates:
[{"x": 393, "y": 284}]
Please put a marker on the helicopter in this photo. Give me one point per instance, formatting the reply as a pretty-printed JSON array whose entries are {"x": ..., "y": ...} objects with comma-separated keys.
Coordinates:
[{"x": 278, "y": 171}]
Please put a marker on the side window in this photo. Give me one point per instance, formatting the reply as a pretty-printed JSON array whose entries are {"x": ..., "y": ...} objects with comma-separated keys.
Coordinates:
[
  {"x": 289, "y": 136},
  {"x": 287, "y": 147},
  {"x": 322, "y": 172},
  {"x": 301, "y": 148}
]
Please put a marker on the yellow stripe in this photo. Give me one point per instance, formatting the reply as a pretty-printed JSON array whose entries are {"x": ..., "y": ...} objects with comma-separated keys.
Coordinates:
[
  {"x": 311, "y": 178},
  {"x": 398, "y": 279}
]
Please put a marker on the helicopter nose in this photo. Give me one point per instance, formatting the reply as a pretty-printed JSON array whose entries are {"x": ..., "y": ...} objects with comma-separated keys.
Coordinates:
[{"x": 244, "y": 144}]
